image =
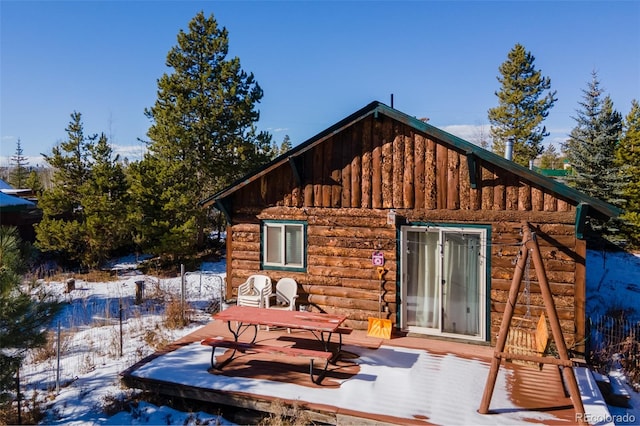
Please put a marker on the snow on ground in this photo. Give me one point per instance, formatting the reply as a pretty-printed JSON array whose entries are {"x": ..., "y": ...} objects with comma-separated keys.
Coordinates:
[
  {"x": 91, "y": 360},
  {"x": 613, "y": 284},
  {"x": 93, "y": 354}
]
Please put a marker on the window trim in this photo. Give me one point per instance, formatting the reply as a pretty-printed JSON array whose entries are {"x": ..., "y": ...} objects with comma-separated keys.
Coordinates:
[{"x": 263, "y": 255}]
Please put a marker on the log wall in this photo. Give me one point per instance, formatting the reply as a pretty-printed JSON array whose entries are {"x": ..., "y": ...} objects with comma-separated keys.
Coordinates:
[
  {"x": 353, "y": 178},
  {"x": 340, "y": 277},
  {"x": 381, "y": 163}
]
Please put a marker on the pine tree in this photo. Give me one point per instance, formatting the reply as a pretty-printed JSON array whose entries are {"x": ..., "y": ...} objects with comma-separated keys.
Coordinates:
[
  {"x": 286, "y": 145},
  {"x": 62, "y": 228},
  {"x": 19, "y": 171},
  {"x": 34, "y": 183},
  {"x": 628, "y": 162},
  {"x": 523, "y": 105},
  {"x": 592, "y": 144},
  {"x": 85, "y": 213},
  {"x": 22, "y": 317},
  {"x": 104, "y": 199},
  {"x": 202, "y": 138},
  {"x": 550, "y": 158}
]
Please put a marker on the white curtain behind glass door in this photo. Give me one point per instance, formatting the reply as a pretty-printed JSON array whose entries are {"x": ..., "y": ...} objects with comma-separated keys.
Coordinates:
[
  {"x": 423, "y": 288},
  {"x": 461, "y": 283}
]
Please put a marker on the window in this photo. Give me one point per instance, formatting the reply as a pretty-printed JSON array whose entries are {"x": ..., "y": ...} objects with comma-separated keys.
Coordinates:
[{"x": 283, "y": 245}]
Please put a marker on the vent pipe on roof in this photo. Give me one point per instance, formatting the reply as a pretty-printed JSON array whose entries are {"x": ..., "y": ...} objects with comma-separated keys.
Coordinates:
[
  {"x": 392, "y": 100},
  {"x": 508, "y": 149}
]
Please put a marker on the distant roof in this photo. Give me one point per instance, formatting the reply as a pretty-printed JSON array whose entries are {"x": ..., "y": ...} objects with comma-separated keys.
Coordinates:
[
  {"x": 552, "y": 172},
  {"x": 5, "y": 185},
  {"x": 11, "y": 203}
]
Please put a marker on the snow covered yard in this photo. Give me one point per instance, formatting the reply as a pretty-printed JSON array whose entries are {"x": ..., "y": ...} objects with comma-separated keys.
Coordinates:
[
  {"x": 86, "y": 388},
  {"x": 96, "y": 345}
]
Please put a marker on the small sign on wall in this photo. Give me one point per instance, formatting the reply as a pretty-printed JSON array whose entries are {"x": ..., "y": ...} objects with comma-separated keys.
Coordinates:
[{"x": 377, "y": 258}]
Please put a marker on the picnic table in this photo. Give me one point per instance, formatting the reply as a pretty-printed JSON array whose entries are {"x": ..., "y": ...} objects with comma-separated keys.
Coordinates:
[{"x": 239, "y": 319}]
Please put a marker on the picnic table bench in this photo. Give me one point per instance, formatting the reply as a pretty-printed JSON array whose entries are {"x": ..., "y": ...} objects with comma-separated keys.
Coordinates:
[
  {"x": 246, "y": 317},
  {"x": 245, "y": 347}
]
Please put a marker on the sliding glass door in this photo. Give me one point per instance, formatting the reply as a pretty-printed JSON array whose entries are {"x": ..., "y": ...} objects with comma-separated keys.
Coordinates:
[{"x": 444, "y": 280}]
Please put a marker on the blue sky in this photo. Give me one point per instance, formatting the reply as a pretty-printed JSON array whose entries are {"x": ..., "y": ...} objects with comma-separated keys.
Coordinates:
[{"x": 317, "y": 61}]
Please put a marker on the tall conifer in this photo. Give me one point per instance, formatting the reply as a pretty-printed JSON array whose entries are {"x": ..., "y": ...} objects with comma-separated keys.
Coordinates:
[
  {"x": 591, "y": 150},
  {"x": 592, "y": 144},
  {"x": 524, "y": 102},
  {"x": 202, "y": 138},
  {"x": 62, "y": 226},
  {"x": 628, "y": 162},
  {"x": 85, "y": 211},
  {"x": 105, "y": 202},
  {"x": 19, "y": 172}
]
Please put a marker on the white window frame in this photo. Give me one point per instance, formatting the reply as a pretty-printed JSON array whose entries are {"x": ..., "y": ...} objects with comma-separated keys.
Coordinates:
[{"x": 283, "y": 224}]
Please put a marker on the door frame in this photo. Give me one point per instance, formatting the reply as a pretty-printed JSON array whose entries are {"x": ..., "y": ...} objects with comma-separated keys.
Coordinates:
[{"x": 485, "y": 286}]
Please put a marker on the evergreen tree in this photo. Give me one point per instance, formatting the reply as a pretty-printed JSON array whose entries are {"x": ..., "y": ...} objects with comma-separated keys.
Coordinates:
[
  {"x": 85, "y": 217},
  {"x": 22, "y": 317},
  {"x": 104, "y": 203},
  {"x": 592, "y": 144},
  {"x": 628, "y": 162},
  {"x": 550, "y": 158},
  {"x": 62, "y": 228},
  {"x": 34, "y": 183},
  {"x": 202, "y": 138},
  {"x": 286, "y": 145},
  {"x": 524, "y": 102},
  {"x": 19, "y": 171}
]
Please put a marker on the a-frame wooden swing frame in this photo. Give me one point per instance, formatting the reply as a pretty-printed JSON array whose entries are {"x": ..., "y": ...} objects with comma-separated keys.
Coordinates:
[{"x": 529, "y": 243}]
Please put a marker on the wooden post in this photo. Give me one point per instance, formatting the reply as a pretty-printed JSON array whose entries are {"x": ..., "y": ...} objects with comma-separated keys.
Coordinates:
[
  {"x": 139, "y": 292},
  {"x": 504, "y": 330},
  {"x": 556, "y": 329},
  {"x": 529, "y": 243}
]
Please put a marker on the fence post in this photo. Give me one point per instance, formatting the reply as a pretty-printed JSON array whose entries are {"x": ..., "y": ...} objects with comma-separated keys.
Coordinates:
[
  {"x": 139, "y": 292},
  {"x": 58, "y": 362},
  {"x": 182, "y": 293},
  {"x": 120, "y": 313}
]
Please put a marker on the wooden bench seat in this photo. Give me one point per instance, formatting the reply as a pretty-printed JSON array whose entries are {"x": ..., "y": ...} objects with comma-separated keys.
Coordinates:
[{"x": 244, "y": 347}]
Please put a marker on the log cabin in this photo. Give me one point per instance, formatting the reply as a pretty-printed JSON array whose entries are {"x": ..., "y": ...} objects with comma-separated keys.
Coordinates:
[{"x": 441, "y": 216}]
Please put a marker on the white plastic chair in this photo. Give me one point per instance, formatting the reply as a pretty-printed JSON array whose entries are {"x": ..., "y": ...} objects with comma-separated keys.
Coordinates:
[
  {"x": 256, "y": 291},
  {"x": 286, "y": 295}
]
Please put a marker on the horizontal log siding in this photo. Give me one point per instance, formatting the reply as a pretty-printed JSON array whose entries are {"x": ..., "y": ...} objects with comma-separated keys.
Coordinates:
[{"x": 341, "y": 279}]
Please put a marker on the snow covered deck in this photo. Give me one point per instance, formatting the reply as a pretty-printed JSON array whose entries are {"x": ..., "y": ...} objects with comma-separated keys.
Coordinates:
[{"x": 404, "y": 380}]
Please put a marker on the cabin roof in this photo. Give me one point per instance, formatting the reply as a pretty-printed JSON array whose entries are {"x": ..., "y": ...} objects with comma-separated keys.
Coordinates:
[{"x": 377, "y": 108}]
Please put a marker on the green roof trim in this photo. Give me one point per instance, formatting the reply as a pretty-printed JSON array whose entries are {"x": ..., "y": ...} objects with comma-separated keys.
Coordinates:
[
  {"x": 552, "y": 172},
  {"x": 473, "y": 152}
]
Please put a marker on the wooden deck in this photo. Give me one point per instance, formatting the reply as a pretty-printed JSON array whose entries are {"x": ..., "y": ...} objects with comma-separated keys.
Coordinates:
[{"x": 532, "y": 392}]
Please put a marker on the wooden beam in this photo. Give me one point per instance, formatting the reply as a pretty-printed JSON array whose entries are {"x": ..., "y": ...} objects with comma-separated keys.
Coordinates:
[
  {"x": 472, "y": 163},
  {"x": 223, "y": 205},
  {"x": 581, "y": 218},
  {"x": 296, "y": 165}
]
